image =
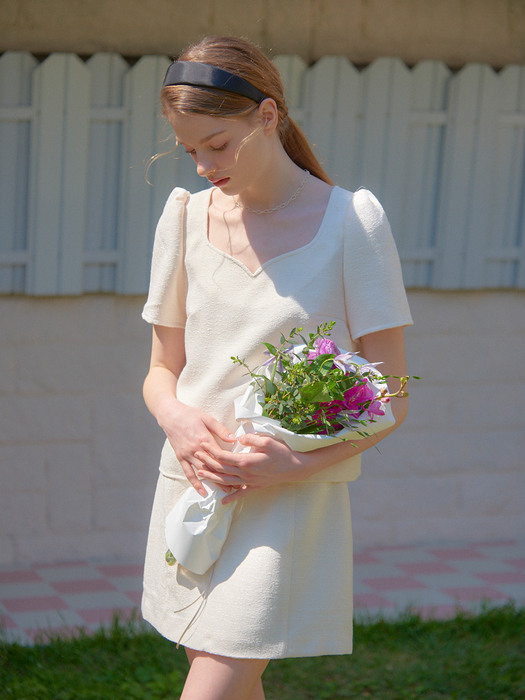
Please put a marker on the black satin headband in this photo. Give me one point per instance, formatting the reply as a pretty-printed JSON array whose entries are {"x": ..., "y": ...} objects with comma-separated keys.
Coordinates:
[{"x": 205, "y": 75}]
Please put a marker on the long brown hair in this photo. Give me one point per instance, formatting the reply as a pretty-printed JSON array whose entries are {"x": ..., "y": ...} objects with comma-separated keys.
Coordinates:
[{"x": 247, "y": 61}]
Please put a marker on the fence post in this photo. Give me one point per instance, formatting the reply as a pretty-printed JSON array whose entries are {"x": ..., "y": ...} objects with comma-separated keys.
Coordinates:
[
  {"x": 107, "y": 117},
  {"x": 467, "y": 177},
  {"x": 58, "y": 180},
  {"x": 506, "y": 255},
  {"x": 415, "y": 228},
  {"x": 331, "y": 99},
  {"x": 16, "y": 119},
  {"x": 142, "y": 87}
]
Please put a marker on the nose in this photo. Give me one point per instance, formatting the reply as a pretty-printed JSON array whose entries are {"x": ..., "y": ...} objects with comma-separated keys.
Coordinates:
[{"x": 204, "y": 166}]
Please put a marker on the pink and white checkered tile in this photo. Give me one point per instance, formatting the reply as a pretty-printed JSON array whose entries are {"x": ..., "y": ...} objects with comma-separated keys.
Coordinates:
[
  {"x": 438, "y": 580},
  {"x": 434, "y": 580}
]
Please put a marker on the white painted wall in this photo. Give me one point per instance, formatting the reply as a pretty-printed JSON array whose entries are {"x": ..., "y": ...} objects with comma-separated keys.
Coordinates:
[{"x": 79, "y": 452}]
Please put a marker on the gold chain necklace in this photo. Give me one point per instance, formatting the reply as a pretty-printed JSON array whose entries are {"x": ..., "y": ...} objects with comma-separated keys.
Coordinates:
[{"x": 279, "y": 206}]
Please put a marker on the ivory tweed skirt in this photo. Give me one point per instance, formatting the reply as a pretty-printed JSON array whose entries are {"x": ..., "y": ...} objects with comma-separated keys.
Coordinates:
[{"x": 282, "y": 586}]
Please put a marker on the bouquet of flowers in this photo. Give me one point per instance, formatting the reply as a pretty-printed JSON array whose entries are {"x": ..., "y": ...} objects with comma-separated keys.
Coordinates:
[
  {"x": 311, "y": 394},
  {"x": 308, "y": 395}
]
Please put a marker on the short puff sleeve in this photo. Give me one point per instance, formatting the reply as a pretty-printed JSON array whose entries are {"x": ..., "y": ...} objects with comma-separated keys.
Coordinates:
[
  {"x": 375, "y": 296},
  {"x": 166, "y": 303}
]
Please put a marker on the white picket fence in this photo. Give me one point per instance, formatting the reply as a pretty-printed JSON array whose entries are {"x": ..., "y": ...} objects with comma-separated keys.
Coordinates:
[{"x": 444, "y": 152}]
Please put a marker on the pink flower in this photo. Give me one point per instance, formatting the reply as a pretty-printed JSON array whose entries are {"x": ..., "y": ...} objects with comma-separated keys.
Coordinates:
[
  {"x": 357, "y": 398},
  {"x": 323, "y": 346},
  {"x": 358, "y": 403}
]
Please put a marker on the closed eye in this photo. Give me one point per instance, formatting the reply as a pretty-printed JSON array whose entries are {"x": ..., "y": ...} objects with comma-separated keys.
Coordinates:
[{"x": 192, "y": 152}]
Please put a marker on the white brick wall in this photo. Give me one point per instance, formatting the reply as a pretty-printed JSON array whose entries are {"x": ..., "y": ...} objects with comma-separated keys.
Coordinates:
[
  {"x": 79, "y": 452},
  {"x": 78, "y": 449},
  {"x": 456, "y": 469}
]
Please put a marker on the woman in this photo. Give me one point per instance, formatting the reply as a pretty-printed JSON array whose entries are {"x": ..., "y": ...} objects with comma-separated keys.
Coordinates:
[{"x": 270, "y": 246}]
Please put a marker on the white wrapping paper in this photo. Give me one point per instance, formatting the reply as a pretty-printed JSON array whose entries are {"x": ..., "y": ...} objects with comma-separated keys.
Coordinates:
[{"x": 197, "y": 527}]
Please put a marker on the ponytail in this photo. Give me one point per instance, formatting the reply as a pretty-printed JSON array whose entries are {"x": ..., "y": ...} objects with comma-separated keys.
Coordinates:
[{"x": 299, "y": 150}]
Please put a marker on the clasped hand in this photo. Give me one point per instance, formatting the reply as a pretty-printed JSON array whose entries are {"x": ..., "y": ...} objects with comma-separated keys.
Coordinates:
[
  {"x": 268, "y": 463},
  {"x": 196, "y": 439}
]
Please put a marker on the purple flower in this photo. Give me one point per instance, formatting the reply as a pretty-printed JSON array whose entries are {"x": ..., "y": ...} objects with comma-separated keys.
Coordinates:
[
  {"x": 323, "y": 346},
  {"x": 276, "y": 358}
]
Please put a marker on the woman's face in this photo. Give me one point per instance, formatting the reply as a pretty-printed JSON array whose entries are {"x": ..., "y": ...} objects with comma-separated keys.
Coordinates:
[{"x": 229, "y": 152}]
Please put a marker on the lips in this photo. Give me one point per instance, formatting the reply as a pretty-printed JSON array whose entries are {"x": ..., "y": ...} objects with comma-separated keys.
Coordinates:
[{"x": 219, "y": 182}]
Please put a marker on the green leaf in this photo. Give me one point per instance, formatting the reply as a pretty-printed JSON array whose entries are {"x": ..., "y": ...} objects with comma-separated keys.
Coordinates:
[
  {"x": 316, "y": 392},
  {"x": 269, "y": 387},
  {"x": 271, "y": 348},
  {"x": 322, "y": 364}
]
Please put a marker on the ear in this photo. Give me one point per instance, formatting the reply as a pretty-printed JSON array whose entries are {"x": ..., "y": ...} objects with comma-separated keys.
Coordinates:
[{"x": 269, "y": 115}]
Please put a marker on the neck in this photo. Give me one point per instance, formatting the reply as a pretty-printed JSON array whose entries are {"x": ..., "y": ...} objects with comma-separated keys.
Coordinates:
[{"x": 276, "y": 185}]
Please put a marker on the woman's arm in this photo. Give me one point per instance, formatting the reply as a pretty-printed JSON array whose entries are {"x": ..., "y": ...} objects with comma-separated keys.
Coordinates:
[
  {"x": 188, "y": 429},
  {"x": 271, "y": 462}
]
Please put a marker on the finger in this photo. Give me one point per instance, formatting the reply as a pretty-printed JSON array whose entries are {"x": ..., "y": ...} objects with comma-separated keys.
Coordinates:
[
  {"x": 259, "y": 442},
  {"x": 207, "y": 461},
  {"x": 216, "y": 459},
  {"x": 240, "y": 460},
  {"x": 219, "y": 430},
  {"x": 220, "y": 462},
  {"x": 222, "y": 479},
  {"x": 192, "y": 478}
]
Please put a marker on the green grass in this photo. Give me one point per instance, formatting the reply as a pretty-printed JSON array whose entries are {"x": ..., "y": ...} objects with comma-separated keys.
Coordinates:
[{"x": 474, "y": 657}]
